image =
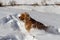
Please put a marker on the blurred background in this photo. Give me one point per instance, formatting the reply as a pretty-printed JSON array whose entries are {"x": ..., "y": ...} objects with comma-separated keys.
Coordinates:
[{"x": 51, "y": 6}]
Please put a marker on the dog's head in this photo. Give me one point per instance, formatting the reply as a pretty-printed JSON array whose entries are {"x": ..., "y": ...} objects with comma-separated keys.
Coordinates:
[{"x": 24, "y": 16}]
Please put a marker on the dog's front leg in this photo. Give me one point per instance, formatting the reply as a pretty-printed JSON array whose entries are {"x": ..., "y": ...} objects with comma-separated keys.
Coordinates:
[{"x": 28, "y": 27}]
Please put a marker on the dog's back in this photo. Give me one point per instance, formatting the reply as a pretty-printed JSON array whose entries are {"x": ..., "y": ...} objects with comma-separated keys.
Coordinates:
[{"x": 37, "y": 24}]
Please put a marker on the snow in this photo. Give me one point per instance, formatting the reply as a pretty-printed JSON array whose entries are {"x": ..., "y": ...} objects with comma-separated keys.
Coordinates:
[
  {"x": 11, "y": 28},
  {"x": 59, "y": 29}
]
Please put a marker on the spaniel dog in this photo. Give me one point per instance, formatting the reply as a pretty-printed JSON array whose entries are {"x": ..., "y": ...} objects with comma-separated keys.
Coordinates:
[{"x": 31, "y": 23}]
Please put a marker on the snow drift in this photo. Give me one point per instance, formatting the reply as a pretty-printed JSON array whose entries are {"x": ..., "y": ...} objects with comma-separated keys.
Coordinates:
[{"x": 12, "y": 28}]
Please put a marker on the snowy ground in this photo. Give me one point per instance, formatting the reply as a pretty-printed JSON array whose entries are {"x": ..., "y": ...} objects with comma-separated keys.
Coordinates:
[
  {"x": 10, "y": 28},
  {"x": 49, "y": 9}
]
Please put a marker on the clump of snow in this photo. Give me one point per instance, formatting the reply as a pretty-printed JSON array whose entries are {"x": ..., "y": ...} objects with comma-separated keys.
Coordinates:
[{"x": 58, "y": 29}]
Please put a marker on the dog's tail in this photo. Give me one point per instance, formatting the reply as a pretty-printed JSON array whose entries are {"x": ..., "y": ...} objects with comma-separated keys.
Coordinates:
[{"x": 52, "y": 30}]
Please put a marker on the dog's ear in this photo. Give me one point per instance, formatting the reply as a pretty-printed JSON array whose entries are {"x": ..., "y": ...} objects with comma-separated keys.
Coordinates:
[{"x": 27, "y": 15}]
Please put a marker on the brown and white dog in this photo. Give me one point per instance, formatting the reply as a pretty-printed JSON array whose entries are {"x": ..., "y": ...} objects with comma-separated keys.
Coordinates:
[{"x": 31, "y": 23}]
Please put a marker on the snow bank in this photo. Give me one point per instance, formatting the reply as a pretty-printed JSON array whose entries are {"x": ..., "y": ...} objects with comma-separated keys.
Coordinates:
[{"x": 12, "y": 28}]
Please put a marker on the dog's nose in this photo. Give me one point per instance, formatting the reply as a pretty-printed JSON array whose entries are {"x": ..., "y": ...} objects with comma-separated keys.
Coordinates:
[{"x": 19, "y": 17}]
